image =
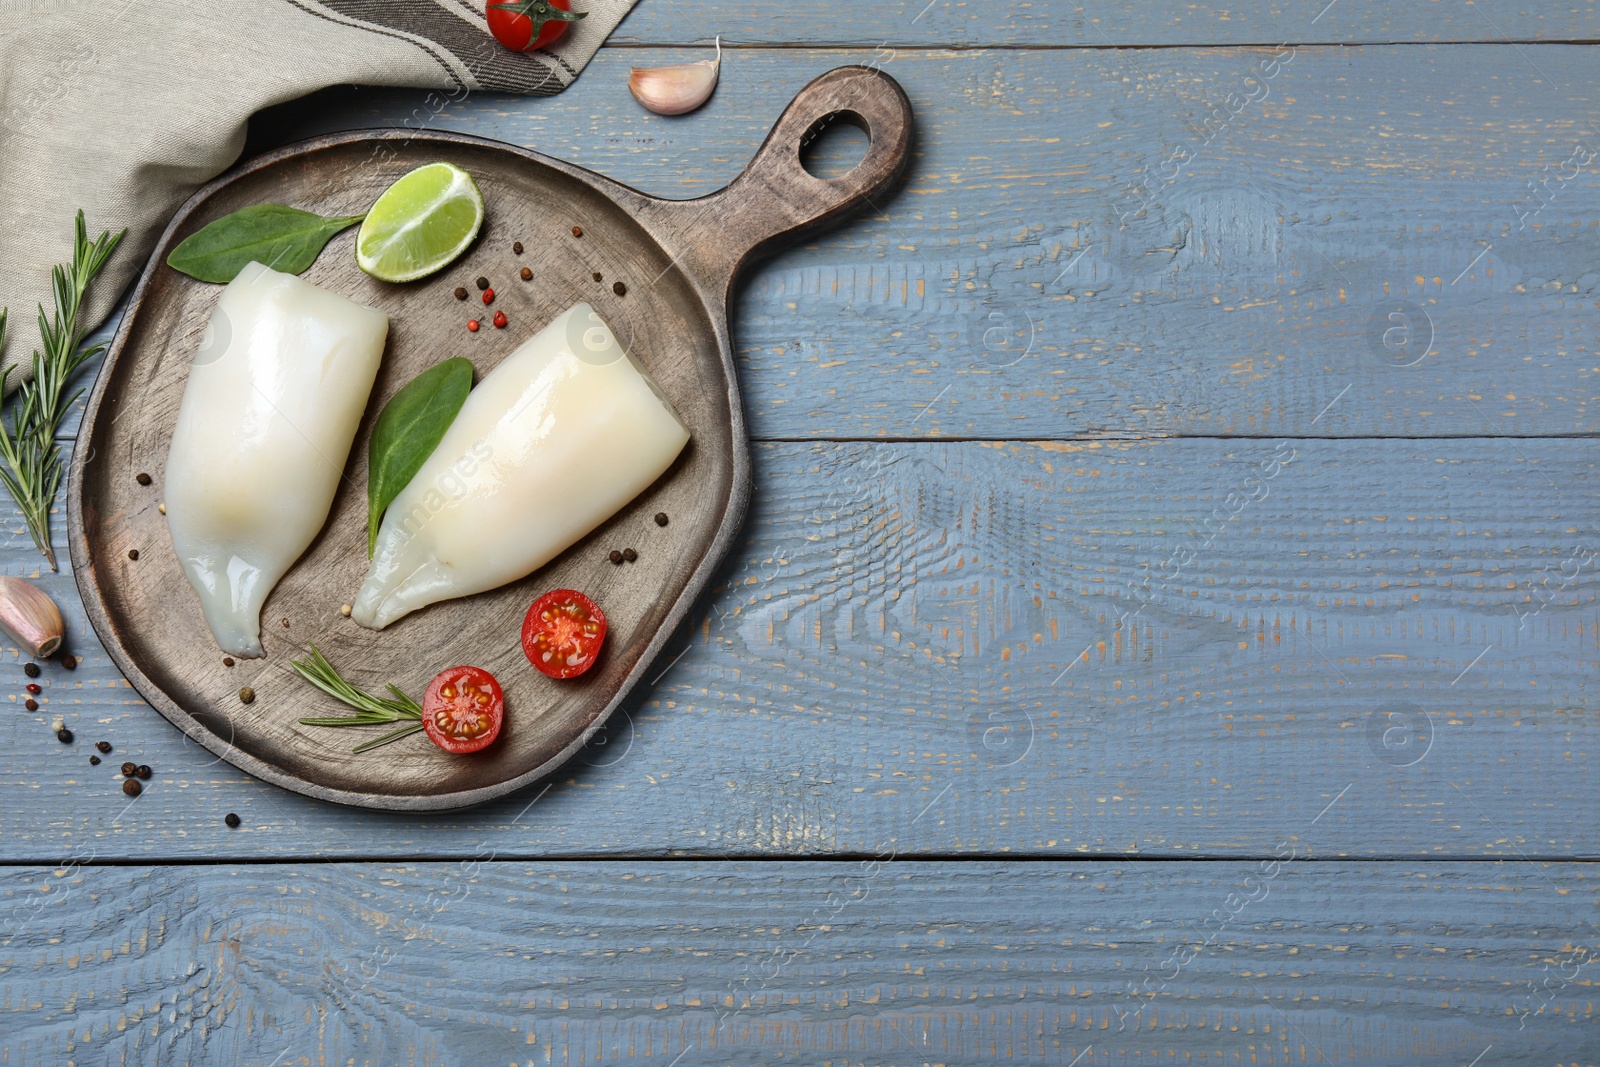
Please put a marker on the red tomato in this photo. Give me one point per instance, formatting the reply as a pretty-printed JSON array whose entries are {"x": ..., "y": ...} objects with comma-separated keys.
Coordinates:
[
  {"x": 463, "y": 709},
  {"x": 526, "y": 25},
  {"x": 563, "y": 633}
]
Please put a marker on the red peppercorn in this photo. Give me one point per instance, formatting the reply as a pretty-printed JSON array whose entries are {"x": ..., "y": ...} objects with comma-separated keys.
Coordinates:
[
  {"x": 33, "y": 687},
  {"x": 499, "y": 320},
  {"x": 488, "y": 296},
  {"x": 472, "y": 325}
]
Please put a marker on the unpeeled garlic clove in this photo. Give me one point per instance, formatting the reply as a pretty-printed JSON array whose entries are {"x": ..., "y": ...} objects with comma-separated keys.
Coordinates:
[
  {"x": 30, "y": 617},
  {"x": 678, "y": 89}
]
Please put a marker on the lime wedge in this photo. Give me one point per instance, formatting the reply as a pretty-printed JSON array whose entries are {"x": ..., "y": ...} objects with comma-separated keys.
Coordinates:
[{"x": 420, "y": 224}]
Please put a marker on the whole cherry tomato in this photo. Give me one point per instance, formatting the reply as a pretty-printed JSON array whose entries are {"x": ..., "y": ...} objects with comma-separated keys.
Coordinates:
[
  {"x": 527, "y": 25},
  {"x": 563, "y": 633},
  {"x": 463, "y": 709}
]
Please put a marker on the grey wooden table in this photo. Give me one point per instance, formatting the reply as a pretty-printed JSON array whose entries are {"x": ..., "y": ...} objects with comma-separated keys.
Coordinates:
[{"x": 1162, "y": 632}]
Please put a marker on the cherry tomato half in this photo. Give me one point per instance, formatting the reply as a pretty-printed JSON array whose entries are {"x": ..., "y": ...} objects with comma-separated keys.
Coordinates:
[
  {"x": 527, "y": 25},
  {"x": 463, "y": 709},
  {"x": 563, "y": 633}
]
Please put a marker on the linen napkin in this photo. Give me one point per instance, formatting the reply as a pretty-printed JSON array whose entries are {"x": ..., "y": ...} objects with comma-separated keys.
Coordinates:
[{"x": 124, "y": 107}]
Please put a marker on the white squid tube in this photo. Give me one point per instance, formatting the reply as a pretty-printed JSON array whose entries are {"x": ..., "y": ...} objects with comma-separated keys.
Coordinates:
[{"x": 270, "y": 410}]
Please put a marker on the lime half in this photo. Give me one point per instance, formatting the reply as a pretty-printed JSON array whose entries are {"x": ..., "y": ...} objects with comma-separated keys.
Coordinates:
[{"x": 420, "y": 223}]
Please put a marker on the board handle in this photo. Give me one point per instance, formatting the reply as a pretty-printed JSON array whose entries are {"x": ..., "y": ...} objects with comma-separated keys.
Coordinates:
[{"x": 776, "y": 200}]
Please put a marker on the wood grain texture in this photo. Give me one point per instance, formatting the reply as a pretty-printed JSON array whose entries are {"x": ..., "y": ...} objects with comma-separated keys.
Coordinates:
[
  {"x": 480, "y": 963},
  {"x": 1039, "y": 277},
  {"x": 1166, "y": 647},
  {"x": 959, "y": 24}
]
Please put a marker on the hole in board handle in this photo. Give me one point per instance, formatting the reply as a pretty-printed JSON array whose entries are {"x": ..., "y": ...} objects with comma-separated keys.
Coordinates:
[{"x": 835, "y": 145}]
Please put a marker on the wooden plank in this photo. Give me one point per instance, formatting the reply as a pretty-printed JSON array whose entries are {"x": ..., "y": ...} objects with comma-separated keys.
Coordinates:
[
  {"x": 1287, "y": 962},
  {"x": 1177, "y": 647},
  {"x": 1039, "y": 277},
  {"x": 945, "y": 23}
]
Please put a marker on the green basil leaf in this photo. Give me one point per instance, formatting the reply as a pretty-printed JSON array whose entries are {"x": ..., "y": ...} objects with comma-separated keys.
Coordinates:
[
  {"x": 283, "y": 238},
  {"x": 409, "y": 428}
]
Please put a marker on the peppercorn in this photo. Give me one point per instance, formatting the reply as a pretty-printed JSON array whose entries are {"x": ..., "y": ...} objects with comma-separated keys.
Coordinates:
[
  {"x": 516, "y": 246},
  {"x": 143, "y": 771},
  {"x": 629, "y": 554},
  {"x": 597, "y": 276},
  {"x": 31, "y": 670},
  {"x": 94, "y": 761},
  {"x": 132, "y": 787},
  {"x": 488, "y": 296},
  {"x": 69, "y": 661},
  {"x": 285, "y": 624},
  {"x": 35, "y": 688},
  {"x": 483, "y": 283},
  {"x": 64, "y": 735},
  {"x": 577, "y": 231},
  {"x": 142, "y": 478},
  {"x": 661, "y": 518},
  {"x": 129, "y": 770},
  {"x": 525, "y": 274},
  {"x": 133, "y": 554},
  {"x": 227, "y": 661},
  {"x": 461, "y": 292},
  {"x": 103, "y": 746},
  {"x": 232, "y": 820},
  {"x": 500, "y": 320},
  {"x": 31, "y": 704},
  {"x": 472, "y": 325},
  {"x": 247, "y": 695},
  {"x": 619, "y": 288},
  {"x": 615, "y": 556}
]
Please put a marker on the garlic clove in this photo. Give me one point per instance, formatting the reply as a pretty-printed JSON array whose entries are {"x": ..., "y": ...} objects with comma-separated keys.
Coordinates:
[
  {"x": 678, "y": 89},
  {"x": 30, "y": 617}
]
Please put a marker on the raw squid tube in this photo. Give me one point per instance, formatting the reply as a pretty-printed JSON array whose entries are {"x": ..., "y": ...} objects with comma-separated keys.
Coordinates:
[
  {"x": 272, "y": 404},
  {"x": 553, "y": 441}
]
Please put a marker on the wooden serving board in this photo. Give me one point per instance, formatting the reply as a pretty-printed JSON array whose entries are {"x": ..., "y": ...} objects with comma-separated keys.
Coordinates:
[{"x": 677, "y": 261}]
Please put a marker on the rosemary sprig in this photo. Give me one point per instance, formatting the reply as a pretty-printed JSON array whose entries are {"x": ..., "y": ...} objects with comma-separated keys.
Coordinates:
[
  {"x": 32, "y": 471},
  {"x": 370, "y": 710}
]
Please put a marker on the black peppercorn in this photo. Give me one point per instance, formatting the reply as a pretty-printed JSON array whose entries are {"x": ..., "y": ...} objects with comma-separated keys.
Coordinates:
[
  {"x": 142, "y": 478},
  {"x": 619, "y": 288},
  {"x": 516, "y": 246},
  {"x": 629, "y": 554},
  {"x": 615, "y": 556},
  {"x": 231, "y": 819},
  {"x": 64, "y": 735},
  {"x": 144, "y": 771},
  {"x": 31, "y": 670},
  {"x": 482, "y": 283},
  {"x": 69, "y": 661},
  {"x": 227, "y": 661},
  {"x": 103, "y": 746},
  {"x": 133, "y": 554},
  {"x": 94, "y": 761},
  {"x": 129, "y": 770},
  {"x": 661, "y": 518},
  {"x": 132, "y": 787},
  {"x": 461, "y": 292},
  {"x": 597, "y": 276},
  {"x": 31, "y": 704}
]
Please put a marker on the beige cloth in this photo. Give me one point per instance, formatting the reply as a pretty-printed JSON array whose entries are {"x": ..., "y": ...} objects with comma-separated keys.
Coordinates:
[{"x": 124, "y": 107}]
